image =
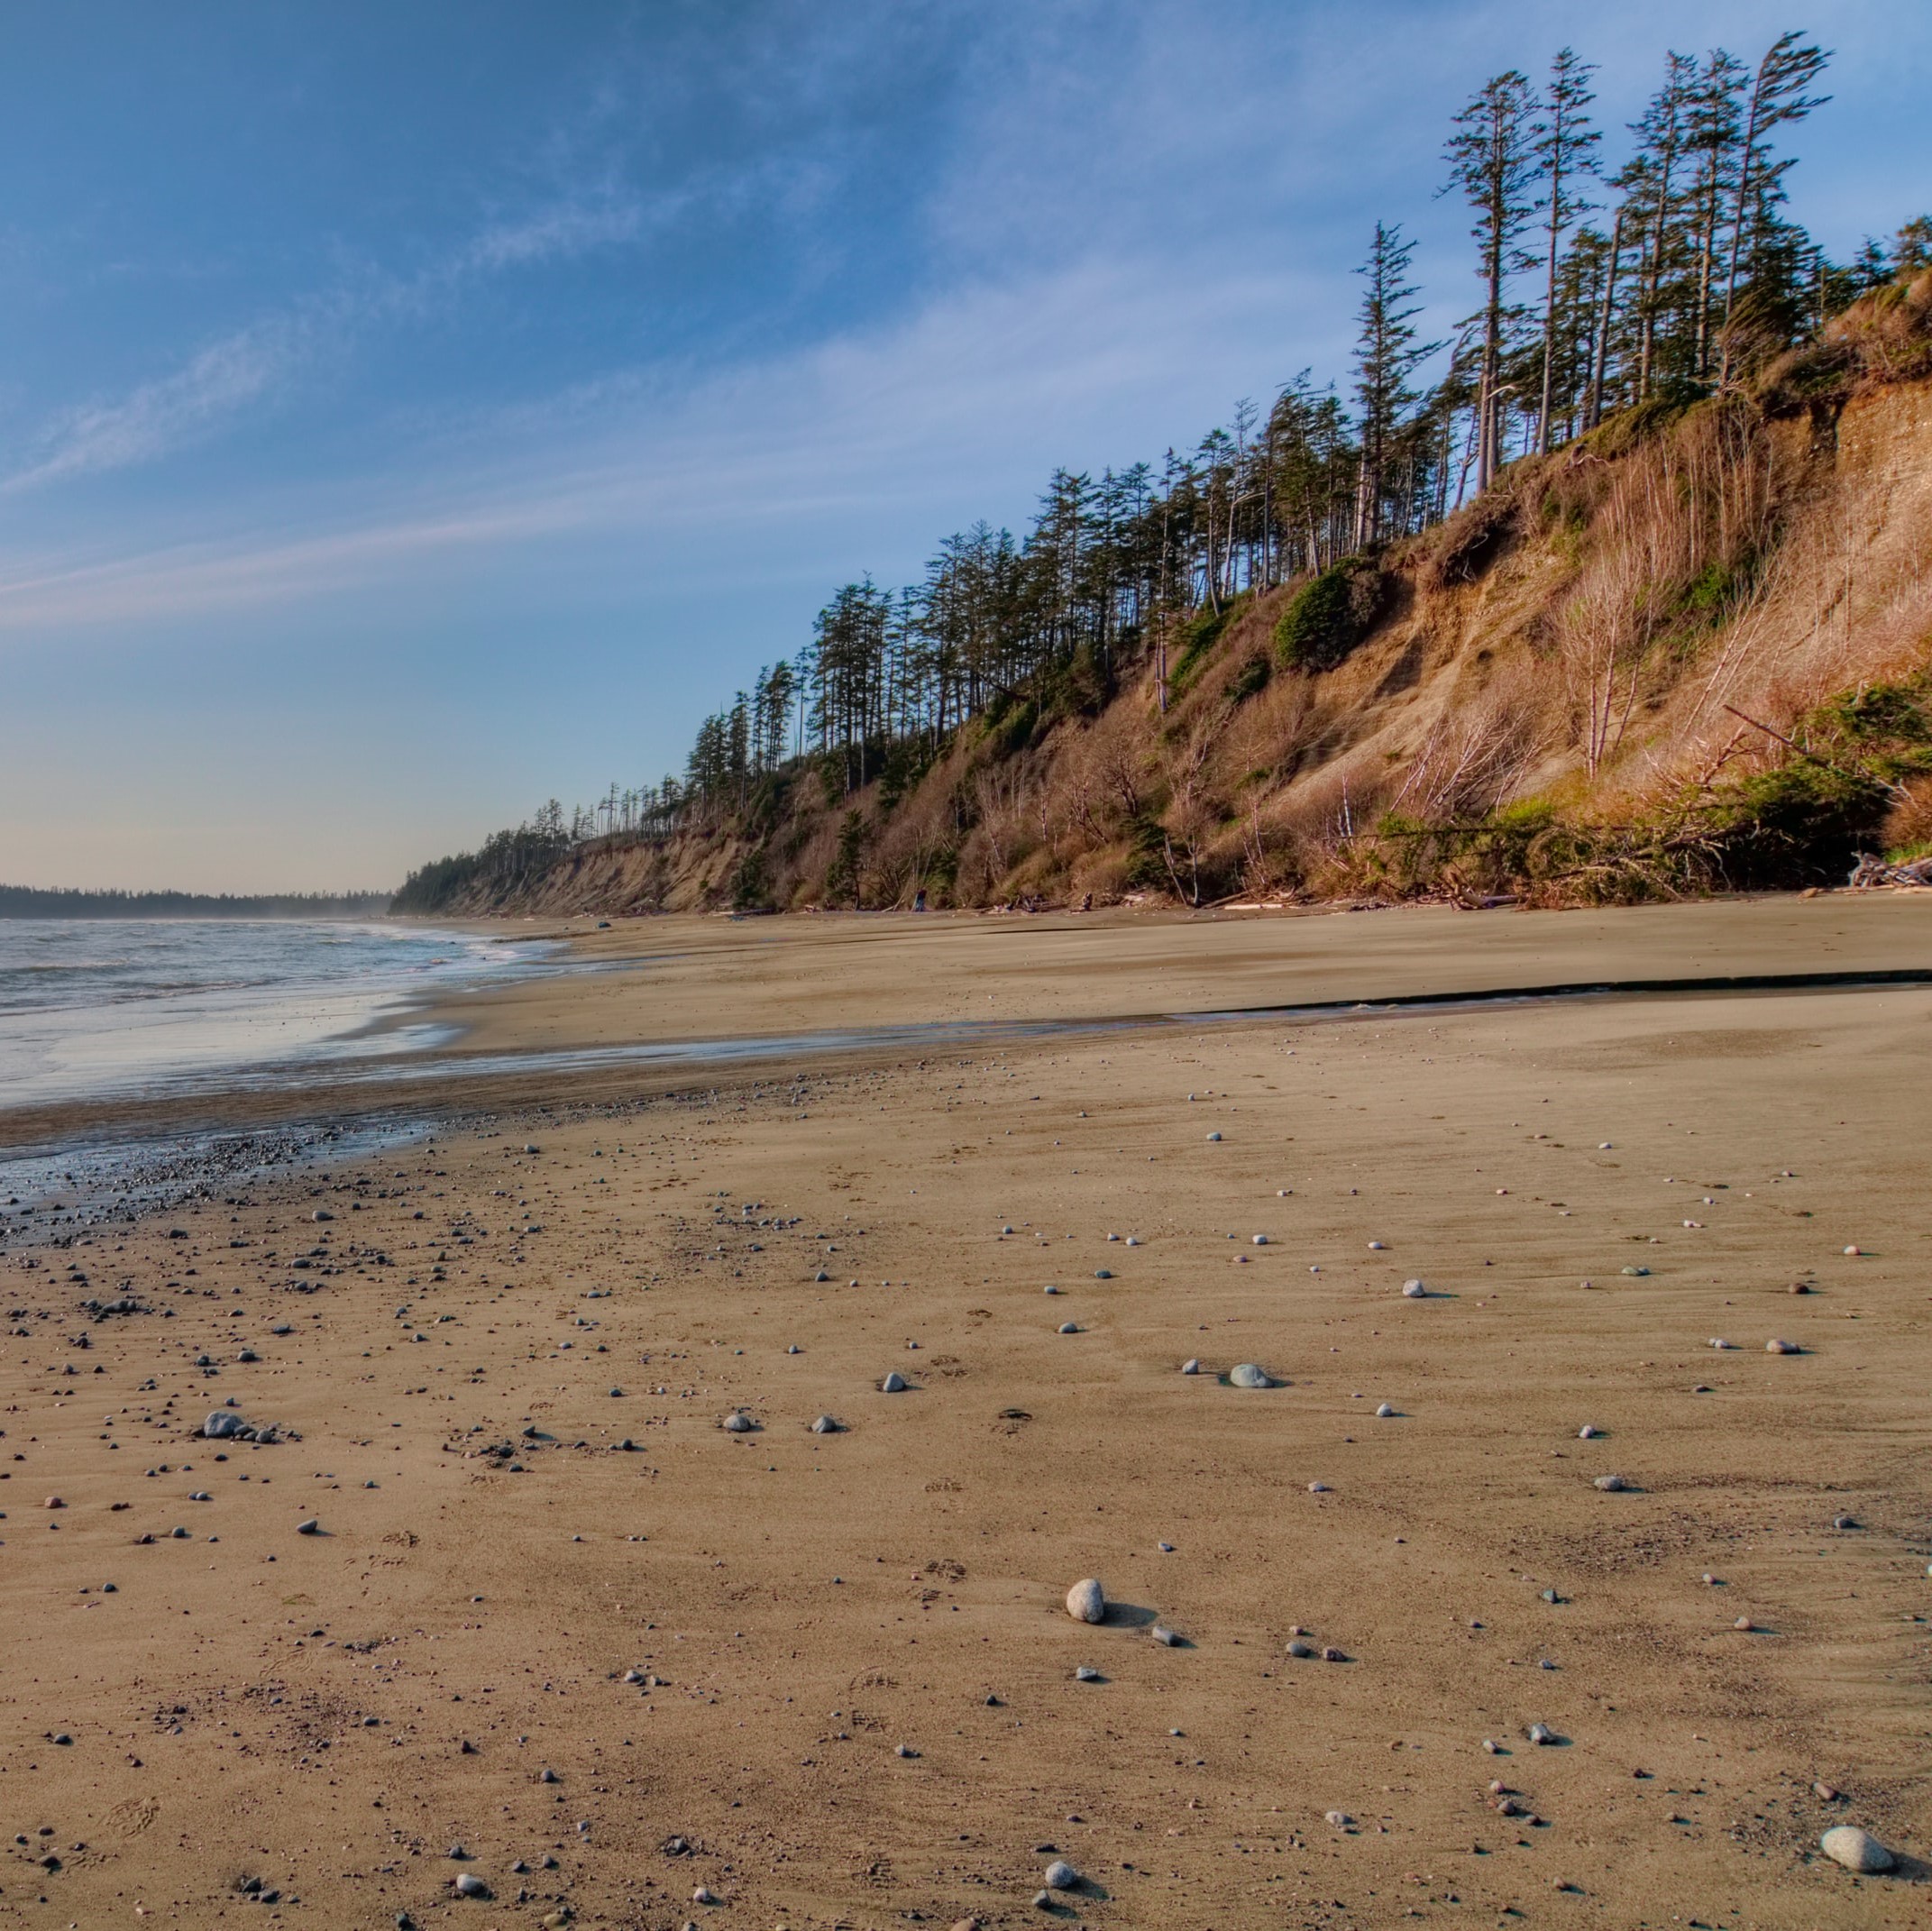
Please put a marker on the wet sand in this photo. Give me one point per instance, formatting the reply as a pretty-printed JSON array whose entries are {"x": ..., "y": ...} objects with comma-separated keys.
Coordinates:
[{"x": 853, "y": 1696}]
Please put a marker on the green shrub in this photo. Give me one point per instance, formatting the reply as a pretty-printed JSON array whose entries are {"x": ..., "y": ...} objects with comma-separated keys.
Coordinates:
[{"x": 1331, "y": 615}]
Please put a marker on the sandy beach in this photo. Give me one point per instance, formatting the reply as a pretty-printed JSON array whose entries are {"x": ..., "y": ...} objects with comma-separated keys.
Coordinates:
[{"x": 642, "y": 1670}]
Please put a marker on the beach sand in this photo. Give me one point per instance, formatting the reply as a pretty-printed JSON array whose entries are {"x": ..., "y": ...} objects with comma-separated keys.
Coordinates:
[{"x": 853, "y": 1697}]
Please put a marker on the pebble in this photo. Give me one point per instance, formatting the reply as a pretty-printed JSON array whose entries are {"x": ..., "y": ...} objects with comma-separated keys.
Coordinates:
[
  {"x": 894, "y": 1383},
  {"x": 1636, "y": 1271},
  {"x": 1102, "y": 1273},
  {"x": 1341, "y": 1819},
  {"x": 1050, "y": 1289},
  {"x": 1301, "y": 1650},
  {"x": 1540, "y": 1733},
  {"x": 1825, "y": 1793},
  {"x": 702, "y": 1895},
  {"x": 1845, "y": 1522},
  {"x": 1192, "y": 1366},
  {"x": 1743, "y": 1623},
  {"x": 1854, "y": 1250},
  {"x": 1246, "y": 1375},
  {"x": 310, "y": 1527},
  {"x": 1414, "y": 1290},
  {"x": 826, "y": 1426},
  {"x": 1060, "y": 1875},
  {"x": 1086, "y": 1601},
  {"x": 1857, "y": 1850},
  {"x": 1716, "y": 1341},
  {"x": 737, "y": 1423},
  {"x": 794, "y": 1348},
  {"x": 469, "y": 1885},
  {"x": 1166, "y": 1638},
  {"x": 1260, "y": 1240},
  {"x": 1587, "y": 1432},
  {"x": 1612, "y": 1484},
  {"x": 1782, "y": 1347},
  {"x": 1067, "y": 1327},
  {"x": 1085, "y": 1673},
  {"x": 1217, "y": 1136},
  {"x": 322, "y": 1213},
  {"x": 1318, "y": 1488},
  {"x": 1376, "y": 1247},
  {"x": 1384, "y": 1412}
]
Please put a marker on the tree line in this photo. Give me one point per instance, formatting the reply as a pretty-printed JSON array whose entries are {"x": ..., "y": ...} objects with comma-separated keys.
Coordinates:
[{"x": 1672, "y": 275}]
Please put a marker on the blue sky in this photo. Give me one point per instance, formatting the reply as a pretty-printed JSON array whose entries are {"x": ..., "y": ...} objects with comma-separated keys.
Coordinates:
[{"x": 410, "y": 412}]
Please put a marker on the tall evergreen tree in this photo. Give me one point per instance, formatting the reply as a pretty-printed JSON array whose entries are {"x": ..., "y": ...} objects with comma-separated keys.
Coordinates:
[{"x": 1566, "y": 155}]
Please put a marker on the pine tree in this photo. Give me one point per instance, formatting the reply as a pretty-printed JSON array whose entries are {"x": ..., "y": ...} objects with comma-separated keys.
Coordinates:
[
  {"x": 1565, "y": 148},
  {"x": 1386, "y": 355},
  {"x": 1492, "y": 158}
]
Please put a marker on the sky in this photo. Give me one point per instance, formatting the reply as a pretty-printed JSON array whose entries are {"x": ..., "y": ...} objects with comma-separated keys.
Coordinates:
[{"x": 410, "y": 413}]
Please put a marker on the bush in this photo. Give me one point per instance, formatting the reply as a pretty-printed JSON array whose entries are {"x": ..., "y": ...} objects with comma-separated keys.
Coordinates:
[{"x": 1331, "y": 615}]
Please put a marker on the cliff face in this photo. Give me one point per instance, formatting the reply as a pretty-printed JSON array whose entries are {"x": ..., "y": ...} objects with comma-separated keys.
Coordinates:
[{"x": 1687, "y": 652}]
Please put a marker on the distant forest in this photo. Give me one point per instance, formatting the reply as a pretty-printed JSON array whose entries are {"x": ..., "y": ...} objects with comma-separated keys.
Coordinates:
[
  {"x": 1642, "y": 283},
  {"x": 31, "y": 901}
]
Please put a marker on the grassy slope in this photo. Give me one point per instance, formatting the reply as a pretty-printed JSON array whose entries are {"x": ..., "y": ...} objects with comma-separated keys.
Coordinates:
[{"x": 1551, "y": 696}]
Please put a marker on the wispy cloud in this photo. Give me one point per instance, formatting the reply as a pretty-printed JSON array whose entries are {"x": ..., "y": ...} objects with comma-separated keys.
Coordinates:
[{"x": 227, "y": 378}]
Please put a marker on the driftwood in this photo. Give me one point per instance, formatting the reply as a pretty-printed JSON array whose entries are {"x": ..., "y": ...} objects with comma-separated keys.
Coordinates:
[{"x": 1871, "y": 872}]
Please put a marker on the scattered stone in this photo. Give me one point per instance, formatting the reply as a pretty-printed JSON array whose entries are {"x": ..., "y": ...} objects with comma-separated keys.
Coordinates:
[
  {"x": 1341, "y": 1819},
  {"x": 223, "y": 1425},
  {"x": 1377, "y": 1247},
  {"x": 1332, "y": 1655},
  {"x": 1638, "y": 1272},
  {"x": 1217, "y": 1136},
  {"x": 904, "y": 1750},
  {"x": 1825, "y": 1793},
  {"x": 1086, "y": 1601},
  {"x": 1414, "y": 1290},
  {"x": 1246, "y": 1375},
  {"x": 702, "y": 1895},
  {"x": 1613, "y": 1485},
  {"x": 469, "y": 1885},
  {"x": 53, "y": 1501},
  {"x": 1857, "y": 1850},
  {"x": 310, "y": 1527},
  {"x": 1719, "y": 1342},
  {"x": 1798, "y": 1287},
  {"x": 322, "y": 1213},
  {"x": 1318, "y": 1488},
  {"x": 1166, "y": 1638},
  {"x": 1050, "y": 1289},
  {"x": 1386, "y": 1412},
  {"x": 1192, "y": 1366},
  {"x": 1540, "y": 1733},
  {"x": 1060, "y": 1875},
  {"x": 1589, "y": 1431},
  {"x": 826, "y": 1426},
  {"x": 1845, "y": 1522},
  {"x": 1300, "y": 1650},
  {"x": 1743, "y": 1623},
  {"x": 1102, "y": 1273},
  {"x": 1067, "y": 1327},
  {"x": 1782, "y": 1347},
  {"x": 1260, "y": 1240},
  {"x": 549, "y": 1776},
  {"x": 737, "y": 1422},
  {"x": 894, "y": 1383},
  {"x": 1085, "y": 1673},
  {"x": 1854, "y": 1250}
]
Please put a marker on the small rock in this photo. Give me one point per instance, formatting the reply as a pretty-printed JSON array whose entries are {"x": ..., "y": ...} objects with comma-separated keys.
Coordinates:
[
  {"x": 1217, "y": 1136},
  {"x": 1857, "y": 1850},
  {"x": 1743, "y": 1623},
  {"x": 1086, "y": 1673},
  {"x": 702, "y": 1895},
  {"x": 1086, "y": 1601},
  {"x": 904, "y": 1750},
  {"x": 1332, "y": 1655},
  {"x": 894, "y": 1383},
  {"x": 1246, "y": 1375},
  {"x": 1102, "y": 1273},
  {"x": 1384, "y": 1412},
  {"x": 310, "y": 1527},
  {"x": 1825, "y": 1793},
  {"x": 1376, "y": 1247},
  {"x": 737, "y": 1423},
  {"x": 826, "y": 1426},
  {"x": 1845, "y": 1522},
  {"x": 322, "y": 1213},
  {"x": 1612, "y": 1484},
  {"x": 1587, "y": 1432},
  {"x": 1260, "y": 1240},
  {"x": 1318, "y": 1488},
  {"x": 1540, "y": 1733},
  {"x": 1782, "y": 1347},
  {"x": 1167, "y": 1638},
  {"x": 469, "y": 1885},
  {"x": 1192, "y": 1366},
  {"x": 1636, "y": 1272},
  {"x": 1301, "y": 1650},
  {"x": 1050, "y": 1289},
  {"x": 1067, "y": 1327},
  {"x": 1060, "y": 1875},
  {"x": 1414, "y": 1290},
  {"x": 1853, "y": 1250},
  {"x": 1341, "y": 1819}
]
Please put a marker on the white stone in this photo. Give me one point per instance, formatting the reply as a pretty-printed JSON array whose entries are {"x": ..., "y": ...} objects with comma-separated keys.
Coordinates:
[
  {"x": 1781, "y": 1347},
  {"x": 894, "y": 1383},
  {"x": 1213, "y": 1136},
  {"x": 1246, "y": 1375},
  {"x": 1086, "y": 1601},
  {"x": 1060, "y": 1875},
  {"x": 1414, "y": 1290},
  {"x": 826, "y": 1426},
  {"x": 1192, "y": 1366},
  {"x": 1612, "y": 1484},
  {"x": 736, "y": 1424},
  {"x": 1384, "y": 1412},
  {"x": 1857, "y": 1850}
]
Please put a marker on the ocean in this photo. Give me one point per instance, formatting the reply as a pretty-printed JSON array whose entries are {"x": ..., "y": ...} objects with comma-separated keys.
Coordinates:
[{"x": 112, "y": 1007}]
